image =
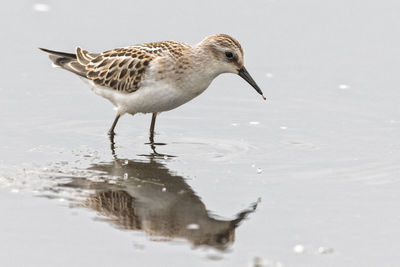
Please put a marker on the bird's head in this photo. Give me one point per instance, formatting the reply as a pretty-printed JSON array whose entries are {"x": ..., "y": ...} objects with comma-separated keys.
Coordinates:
[{"x": 227, "y": 56}]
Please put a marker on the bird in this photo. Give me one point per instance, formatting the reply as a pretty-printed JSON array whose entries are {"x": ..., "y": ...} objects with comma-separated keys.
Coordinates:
[{"x": 155, "y": 77}]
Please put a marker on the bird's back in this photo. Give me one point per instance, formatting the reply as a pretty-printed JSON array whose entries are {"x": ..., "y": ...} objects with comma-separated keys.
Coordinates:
[{"x": 121, "y": 69}]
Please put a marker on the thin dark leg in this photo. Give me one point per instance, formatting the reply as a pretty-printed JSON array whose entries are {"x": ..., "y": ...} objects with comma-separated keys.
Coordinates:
[
  {"x": 111, "y": 131},
  {"x": 112, "y": 146},
  {"x": 153, "y": 123}
]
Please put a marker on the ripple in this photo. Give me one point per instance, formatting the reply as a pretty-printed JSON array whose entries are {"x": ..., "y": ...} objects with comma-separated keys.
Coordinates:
[{"x": 215, "y": 149}]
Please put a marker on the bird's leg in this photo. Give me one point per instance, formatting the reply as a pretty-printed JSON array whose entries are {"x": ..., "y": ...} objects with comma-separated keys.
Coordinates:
[
  {"x": 112, "y": 146},
  {"x": 111, "y": 131},
  {"x": 153, "y": 123}
]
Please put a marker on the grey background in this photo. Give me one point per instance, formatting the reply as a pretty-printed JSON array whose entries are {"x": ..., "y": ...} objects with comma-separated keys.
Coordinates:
[{"x": 326, "y": 139}]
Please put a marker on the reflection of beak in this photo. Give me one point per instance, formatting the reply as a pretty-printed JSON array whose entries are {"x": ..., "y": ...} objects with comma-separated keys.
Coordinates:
[{"x": 245, "y": 75}]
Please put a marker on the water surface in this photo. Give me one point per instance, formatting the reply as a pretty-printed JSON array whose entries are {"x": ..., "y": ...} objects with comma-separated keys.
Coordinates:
[{"x": 307, "y": 178}]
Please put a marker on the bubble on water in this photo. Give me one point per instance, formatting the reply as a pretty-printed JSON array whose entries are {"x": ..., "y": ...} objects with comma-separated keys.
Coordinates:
[
  {"x": 343, "y": 86},
  {"x": 325, "y": 250},
  {"x": 283, "y": 127},
  {"x": 164, "y": 189},
  {"x": 298, "y": 249},
  {"x": 193, "y": 226},
  {"x": 126, "y": 176},
  {"x": 40, "y": 7},
  {"x": 259, "y": 170},
  {"x": 254, "y": 123}
]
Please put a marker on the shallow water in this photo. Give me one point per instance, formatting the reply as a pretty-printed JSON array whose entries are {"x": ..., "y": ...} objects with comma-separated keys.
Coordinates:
[{"x": 308, "y": 178}]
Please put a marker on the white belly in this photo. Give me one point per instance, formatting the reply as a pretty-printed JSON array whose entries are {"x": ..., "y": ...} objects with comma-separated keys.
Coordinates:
[{"x": 151, "y": 98}]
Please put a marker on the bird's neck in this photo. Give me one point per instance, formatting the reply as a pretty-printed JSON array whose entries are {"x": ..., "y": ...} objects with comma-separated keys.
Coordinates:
[{"x": 205, "y": 61}]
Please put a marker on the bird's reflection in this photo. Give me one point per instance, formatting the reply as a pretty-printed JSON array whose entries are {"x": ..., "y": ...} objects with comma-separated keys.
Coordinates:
[
  {"x": 148, "y": 197},
  {"x": 151, "y": 144}
]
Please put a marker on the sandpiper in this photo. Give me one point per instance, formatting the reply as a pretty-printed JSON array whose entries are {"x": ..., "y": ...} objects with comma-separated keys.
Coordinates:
[{"x": 155, "y": 77}]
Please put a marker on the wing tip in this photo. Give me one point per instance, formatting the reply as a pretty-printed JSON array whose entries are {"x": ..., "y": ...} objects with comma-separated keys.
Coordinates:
[
  {"x": 57, "y": 53},
  {"x": 44, "y": 49}
]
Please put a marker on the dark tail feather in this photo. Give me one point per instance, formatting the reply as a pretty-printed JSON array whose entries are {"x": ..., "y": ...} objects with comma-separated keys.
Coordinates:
[
  {"x": 66, "y": 61},
  {"x": 61, "y": 54}
]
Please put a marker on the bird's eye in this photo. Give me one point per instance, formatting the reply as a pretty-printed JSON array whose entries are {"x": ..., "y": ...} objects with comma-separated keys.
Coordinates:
[{"x": 229, "y": 54}]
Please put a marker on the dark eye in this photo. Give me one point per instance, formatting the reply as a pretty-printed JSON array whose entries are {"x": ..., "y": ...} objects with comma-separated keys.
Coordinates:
[{"x": 229, "y": 54}]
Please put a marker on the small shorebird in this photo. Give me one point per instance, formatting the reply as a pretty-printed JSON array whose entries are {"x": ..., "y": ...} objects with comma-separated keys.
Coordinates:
[{"x": 155, "y": 77}]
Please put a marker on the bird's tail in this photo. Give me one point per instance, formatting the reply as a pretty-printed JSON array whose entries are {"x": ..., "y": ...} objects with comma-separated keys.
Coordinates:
[{"x": 66, "y": 61}]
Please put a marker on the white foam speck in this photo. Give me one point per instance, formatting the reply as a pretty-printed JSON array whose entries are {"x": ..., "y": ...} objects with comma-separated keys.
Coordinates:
[
  {"x": 254, "y": 123},
  {"x": 14, "y": 191},
  {"x": 165, "y": 157},
  {"x": 269, "y": 75},
  {"x": 343, "y": 86},
  {"x": 253, "y": 165},
  {"x": 283, "y": 127},
  {"x": 40, "y": 7},
  {"x": 298, "y": 249},
  {"x": 234, "y": 124},
  {"x": 164, "y": 189},
  {"x": 193, "y": 226},
  {"x": 259, "y": 170}
]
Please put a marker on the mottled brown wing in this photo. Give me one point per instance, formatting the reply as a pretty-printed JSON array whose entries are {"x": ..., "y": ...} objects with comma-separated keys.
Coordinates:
[
  {"x": 121, "y": 69},
  {"x": 174, "y": 49}
]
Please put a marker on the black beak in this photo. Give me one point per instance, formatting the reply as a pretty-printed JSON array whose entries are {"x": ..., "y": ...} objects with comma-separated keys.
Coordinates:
[{"x": 245, "y": 75}]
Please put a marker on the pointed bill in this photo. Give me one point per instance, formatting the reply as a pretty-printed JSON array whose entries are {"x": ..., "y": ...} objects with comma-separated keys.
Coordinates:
[{"x": 245, "y": 75}]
